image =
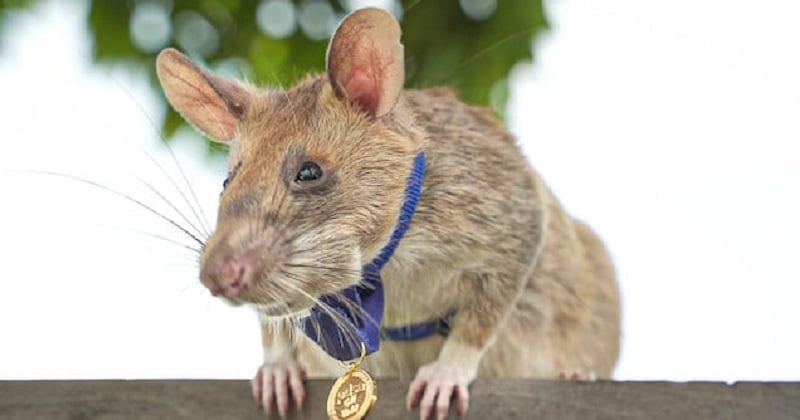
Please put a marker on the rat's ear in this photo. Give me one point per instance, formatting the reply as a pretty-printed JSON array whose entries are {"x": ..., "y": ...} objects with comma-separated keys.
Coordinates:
[
  {"x": 365, "y": 60},
  {"x": 211, "y": 103}
]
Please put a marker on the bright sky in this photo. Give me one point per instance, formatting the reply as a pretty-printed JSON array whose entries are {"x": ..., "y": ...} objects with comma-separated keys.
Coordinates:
[{"x": 671, "y": 127}]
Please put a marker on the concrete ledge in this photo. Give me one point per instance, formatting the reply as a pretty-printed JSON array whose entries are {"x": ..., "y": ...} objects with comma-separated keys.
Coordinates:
[{"x": 490, "y": 399}]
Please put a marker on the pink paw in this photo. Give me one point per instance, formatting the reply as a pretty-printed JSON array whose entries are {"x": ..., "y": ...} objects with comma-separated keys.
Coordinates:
[
  {"x": 273, "y": 384},
  {"x": 435, "y": 385}
]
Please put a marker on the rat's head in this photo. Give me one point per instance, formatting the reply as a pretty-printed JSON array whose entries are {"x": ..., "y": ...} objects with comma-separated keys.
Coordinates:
[{"x": 316, "y": 173}]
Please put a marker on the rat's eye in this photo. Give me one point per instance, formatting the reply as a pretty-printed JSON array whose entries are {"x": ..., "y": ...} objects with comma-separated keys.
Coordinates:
[
  {"x": 226, "y": 182},
  {"x": 309, "y": 171}
]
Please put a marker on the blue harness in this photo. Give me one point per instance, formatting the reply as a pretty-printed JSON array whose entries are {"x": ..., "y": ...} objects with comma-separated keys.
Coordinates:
[{"x": 364, "y": 324}]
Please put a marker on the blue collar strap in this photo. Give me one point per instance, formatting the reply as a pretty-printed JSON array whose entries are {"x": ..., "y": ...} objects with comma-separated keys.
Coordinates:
[
  {"x": 440, "y": 326},
  {"x": 353, "y": 316}
]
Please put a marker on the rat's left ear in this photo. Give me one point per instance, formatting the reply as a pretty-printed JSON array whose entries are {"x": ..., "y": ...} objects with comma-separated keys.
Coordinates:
[
  {"x": 212, "y": 103},
  {"x": 365, "y": 61}
]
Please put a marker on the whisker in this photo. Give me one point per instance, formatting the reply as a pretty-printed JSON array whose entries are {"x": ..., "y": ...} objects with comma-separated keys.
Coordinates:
[
  {"x": 481, "y": 53},
  {"x": 338, "y": 270},
  {"x": 203, "y": 220},
  {"x": 357, "y": 311},
  {"x": 288, "y": 99},
  {"x": 122, "y": 195},
  {"x": 173, "y": 207},
  {"x": 342, "y": 324},
  {"x": 163, "y": 238},
  {"x": 200, "y": 217},
  {"x": 411, "y": 6}
]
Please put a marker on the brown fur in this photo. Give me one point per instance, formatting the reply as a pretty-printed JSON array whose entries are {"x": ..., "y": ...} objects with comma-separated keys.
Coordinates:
[
  {"x": 488, "y": 237},
  {"x": 534, "y": 289}
]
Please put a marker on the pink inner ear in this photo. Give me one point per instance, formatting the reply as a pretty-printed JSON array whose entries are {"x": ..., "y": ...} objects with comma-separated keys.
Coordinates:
[
  {"x": 365, "y": 61},
  {"x": 210, "y": 102},
  {"x": 362, "y": 89}
]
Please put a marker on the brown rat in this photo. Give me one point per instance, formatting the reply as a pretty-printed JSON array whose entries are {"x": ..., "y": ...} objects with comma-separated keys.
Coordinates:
[{"x": 316, "y": 182}]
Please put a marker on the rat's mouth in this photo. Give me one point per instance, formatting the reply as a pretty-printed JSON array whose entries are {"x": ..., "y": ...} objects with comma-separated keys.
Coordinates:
[
  {"x": 298, "y": 308},
  {"x": 274, "y": 310}
]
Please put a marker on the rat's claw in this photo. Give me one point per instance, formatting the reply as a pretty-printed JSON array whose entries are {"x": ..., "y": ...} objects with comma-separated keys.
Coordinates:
[
  {"x": 296, "y": 378},
  {"x": 462, "y": 400},
  {"x": 267, "y": 390},
  {"x": 255, "y": 387},
  {"x": 274, "y": 383},
  {"x": 282, "y": 392},
  {"x": 435, "y": 385},
  {"x": 426, "y": 405},
  {"x": 414, "y": 393},
  {"x": 443, "y": 401}
]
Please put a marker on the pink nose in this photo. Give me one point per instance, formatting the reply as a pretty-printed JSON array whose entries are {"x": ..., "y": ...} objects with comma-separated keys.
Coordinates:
[{"x": 228, "y": 276}]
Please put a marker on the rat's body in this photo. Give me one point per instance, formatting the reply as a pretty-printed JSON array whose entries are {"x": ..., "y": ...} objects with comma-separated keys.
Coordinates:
[
  {"x": 563, "y": 313},
  {"x": 316, "y": 181},
  {"x": 563, "y": 316}
]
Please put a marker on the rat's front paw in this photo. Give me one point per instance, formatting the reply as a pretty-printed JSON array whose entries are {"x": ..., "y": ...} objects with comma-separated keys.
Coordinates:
[
  {"x": 274, "y": 382},
  {"x": 435, "y": 385}
]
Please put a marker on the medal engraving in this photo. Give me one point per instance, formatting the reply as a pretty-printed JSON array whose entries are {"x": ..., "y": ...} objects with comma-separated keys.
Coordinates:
[{"x": 353, "y": 394}]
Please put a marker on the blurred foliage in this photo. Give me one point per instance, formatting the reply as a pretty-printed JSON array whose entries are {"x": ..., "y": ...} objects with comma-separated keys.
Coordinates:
[
  {"x": 7, "y": 9},
  {"x": 446, "y": 41}
]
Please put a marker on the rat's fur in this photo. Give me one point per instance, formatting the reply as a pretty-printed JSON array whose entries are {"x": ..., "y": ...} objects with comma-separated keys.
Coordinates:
[{"x": 534, "y": 289}]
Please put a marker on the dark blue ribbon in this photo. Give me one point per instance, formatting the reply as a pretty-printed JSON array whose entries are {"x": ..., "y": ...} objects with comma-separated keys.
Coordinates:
[
  {"x": 411, "y": 332},
  {"x": 342, "y": 337}
]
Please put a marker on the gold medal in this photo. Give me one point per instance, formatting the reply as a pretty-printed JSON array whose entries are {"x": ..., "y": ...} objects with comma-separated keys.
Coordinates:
[{"x": 353, "y": 394}]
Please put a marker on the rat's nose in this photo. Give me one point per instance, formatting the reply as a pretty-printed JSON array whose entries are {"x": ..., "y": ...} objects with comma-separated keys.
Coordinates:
[
  {"x": 235, "y": 276},
  {"x": 238, "y": 257},
  {"x": 229, "y": 275}
]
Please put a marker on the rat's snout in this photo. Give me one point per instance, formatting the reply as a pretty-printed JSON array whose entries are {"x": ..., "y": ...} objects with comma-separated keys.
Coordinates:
[
  {"x": 229, "y": 274},
  {"x": 236, "y": 262}
]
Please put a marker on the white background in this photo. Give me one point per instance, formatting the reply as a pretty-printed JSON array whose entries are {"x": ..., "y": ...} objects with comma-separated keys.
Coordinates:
[{"x": 671, "y": 127}]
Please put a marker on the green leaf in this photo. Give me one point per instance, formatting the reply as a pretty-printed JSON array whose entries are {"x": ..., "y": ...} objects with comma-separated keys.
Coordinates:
[
  {"x": 443, "y": 45},
  {"x": 108, "y": 23},
  {"x": 469, "y": 55},
  {"x": 8, "y": 8}
]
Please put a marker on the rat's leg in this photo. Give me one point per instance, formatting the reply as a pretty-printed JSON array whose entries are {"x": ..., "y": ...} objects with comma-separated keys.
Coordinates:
[
  {"x": 488, "y": 299},
  {"x": 281, "y": 375}
]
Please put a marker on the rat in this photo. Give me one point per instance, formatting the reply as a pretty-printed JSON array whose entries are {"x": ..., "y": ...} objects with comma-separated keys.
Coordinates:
[{"x": 347, "y": 186}]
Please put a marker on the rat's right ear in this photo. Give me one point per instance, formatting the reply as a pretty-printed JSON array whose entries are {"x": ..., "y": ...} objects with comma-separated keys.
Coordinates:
[
  {"x": 211, "y": 103},
  {"x": 365, "y": 60}
]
